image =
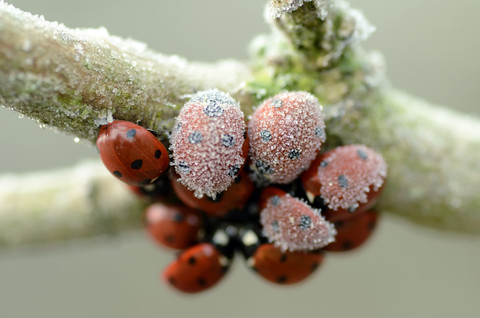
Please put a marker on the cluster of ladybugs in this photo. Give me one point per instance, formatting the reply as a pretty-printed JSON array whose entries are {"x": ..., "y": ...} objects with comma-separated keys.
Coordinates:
[{"x": 264, "y": 190}]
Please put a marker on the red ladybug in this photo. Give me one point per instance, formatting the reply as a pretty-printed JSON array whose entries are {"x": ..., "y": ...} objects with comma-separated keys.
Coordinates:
[
  {"x": 291, "y": 224},
  {"x": 348, "y": 179},
  {"x": 353, "y": 232},
  {"x": 132, "y": 153},
  {"x": 196, "y": 269},
  {"x": 273, "y": 264},
  {"x": 204, "y": 265},
  {"x": 285, "y": 134},
  {"x": 235, "y": 197},
  {"x": 284, "y": 267},
  {"x": 209, "y": 143},
  {"x": 173, "y": 226}
]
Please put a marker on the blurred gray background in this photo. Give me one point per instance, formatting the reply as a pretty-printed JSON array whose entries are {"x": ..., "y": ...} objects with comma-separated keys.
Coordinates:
[{"x": 431, "y": 48}]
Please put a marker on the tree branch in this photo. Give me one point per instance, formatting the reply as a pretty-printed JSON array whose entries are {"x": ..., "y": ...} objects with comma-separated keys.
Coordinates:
[{"x": 75, "y": 80}]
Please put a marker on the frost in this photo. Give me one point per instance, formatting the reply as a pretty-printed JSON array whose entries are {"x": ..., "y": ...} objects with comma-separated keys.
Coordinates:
[
  {"x": 207, "y": 143},
  {"x": 275, "y": 8},
  {"x": 293, "y": 225},
  {"x": 108, "y": 118},
  {"x": 284, "y": 134},
  {"x": 347, "y": 174}
]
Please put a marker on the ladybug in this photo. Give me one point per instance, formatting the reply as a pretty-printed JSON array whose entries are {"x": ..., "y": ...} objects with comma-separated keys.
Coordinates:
[
  {"x": 201, "y": 266},
  {"x": 291, "y": 224},
  {"x": 235, "y": 197},
  {"x": 353, "y": 232},
  {"x": 132, "y": 153},
  {"x": 348, "y": 180},
  {"x": 209, "y": 143},
  {"x": 173, "y": 226},
  {"x": 277, "y": 266},
  {"x": 285, "y": 135}
]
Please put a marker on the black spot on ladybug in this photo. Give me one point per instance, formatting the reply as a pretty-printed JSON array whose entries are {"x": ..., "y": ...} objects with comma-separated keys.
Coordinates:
[
  {"x": 217, "y": 199},
  {"x": 314, "y": 266},
  {"x": 294, "y": 154},
  {"x": 131, "y": 133},
  {"x": 195, "y": 137},
  {"x": 275, "y": 200},
  {"x": 347, "y": 245},
  {"x": 158, "y": 154},
  {"x": 137, "y": 164},
  {"x": 234, "y": 170},
  {"x": 305, "y": 222},
  {"x": 342, "y": 181},
  {"x": 178, "y": 217},
  {"x": 319, "y": 132},
  {"x": 117, "y": 174},
  {"x": 277, "y": 103},
  {"x": 244, "y": 133},
  {"x": 192, "y": 260},
  {"x": 323, "y": 164},
  {"x": 183, "y": 167},
  {"x": 201, "y": 282},
  {"x": 228, "y": 141},
  {"x": 263, "y": 167},
  {"x": 362, "y": 154},
  {"x": 282, "y": 279},
  {"x": 213, "y": 109},
  {"x": 170, "y": 238},
  {"x": 283, "y": 258},
  {"x": 266, "y": 135},
  {"x": 172, "y": 281},
  {"x": 371, "y": 225},
  {"x": 275, "y": 226}
]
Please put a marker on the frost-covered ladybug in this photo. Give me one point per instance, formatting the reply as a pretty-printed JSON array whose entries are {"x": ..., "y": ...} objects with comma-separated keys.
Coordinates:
[
  {"x": 201, "y": 266},
  {"x": 292, "y": 224},
  {"x": 349, "y": 179},
  {"x": 353, "y": 232},
  {"x": 276, "y": 266},
  {"x": 235, "y": 197},
  {"x": 173, "y": 226},
  {"x": 285, "y": 135},
  {"x": 209, "y": 143},
  {"x": 132, "y": 153}
]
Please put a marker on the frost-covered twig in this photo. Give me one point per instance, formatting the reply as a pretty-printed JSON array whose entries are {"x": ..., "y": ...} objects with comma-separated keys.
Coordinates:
[
  {"x": 56, "y": 205},
  {"x": 73, "y": 80}
]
